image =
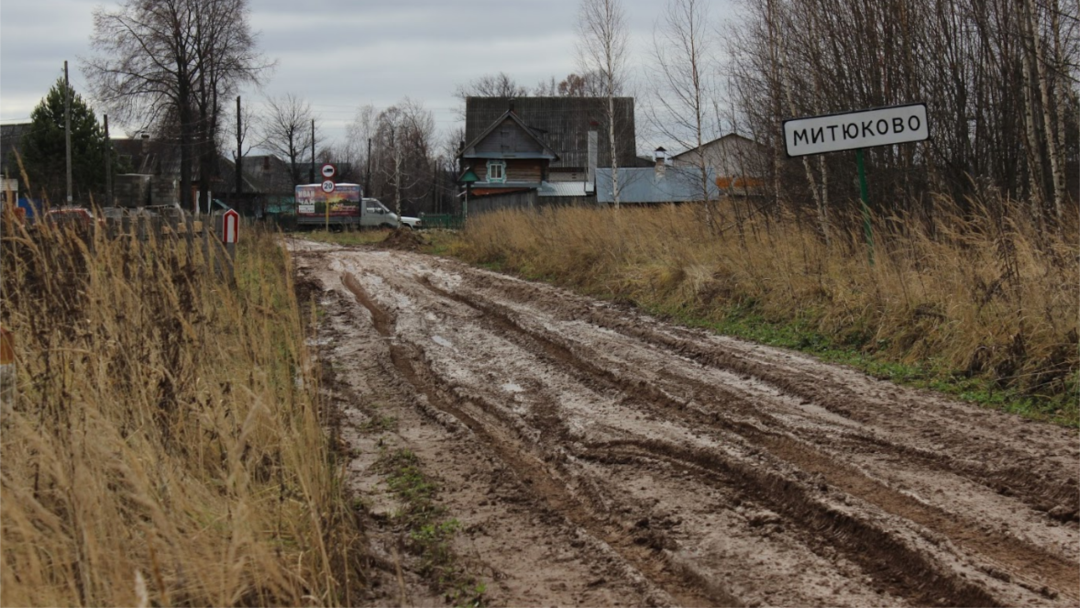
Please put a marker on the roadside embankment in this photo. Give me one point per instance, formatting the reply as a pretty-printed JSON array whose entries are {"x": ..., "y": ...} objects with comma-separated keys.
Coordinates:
[
  {"x": 981, "y": 303},
  {"x": 166, "y": 445}
]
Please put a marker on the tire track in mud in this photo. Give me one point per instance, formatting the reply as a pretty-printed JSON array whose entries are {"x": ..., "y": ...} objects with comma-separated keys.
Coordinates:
[
  {"x": 1034, "y": 482},
  {"x": 542, "y": 485},
  {"x": 901, "y": 576},
  {"x": 1031, "y": 484}
]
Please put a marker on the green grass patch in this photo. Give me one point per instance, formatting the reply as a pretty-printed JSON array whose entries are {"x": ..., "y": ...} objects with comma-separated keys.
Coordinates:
[
  {"x": 440, "y": 242},
  {"x": 743, "y": 322},
  {"x": 430, "y": 533},
  {"x": 379, "y": 423},
  {"x": 348, "y": 239}
]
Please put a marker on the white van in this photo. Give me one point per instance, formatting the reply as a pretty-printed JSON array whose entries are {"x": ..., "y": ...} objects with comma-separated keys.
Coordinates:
[{"x": 376, "y": 215}]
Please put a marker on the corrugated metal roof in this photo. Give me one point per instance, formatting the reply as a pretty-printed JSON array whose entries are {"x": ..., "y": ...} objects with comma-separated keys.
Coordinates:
[
  {"x": 729, "y": 136},
  {"x": 562, "y": 189},
  {"x": 640, "y": 185}
]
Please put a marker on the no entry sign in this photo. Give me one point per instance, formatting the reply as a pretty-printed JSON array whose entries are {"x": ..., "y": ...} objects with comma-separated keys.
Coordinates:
[{"x": 855, "y": 130}]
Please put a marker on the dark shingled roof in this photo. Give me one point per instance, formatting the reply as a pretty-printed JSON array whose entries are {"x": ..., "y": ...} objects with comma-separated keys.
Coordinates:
[{"x": 563, "y": 123}]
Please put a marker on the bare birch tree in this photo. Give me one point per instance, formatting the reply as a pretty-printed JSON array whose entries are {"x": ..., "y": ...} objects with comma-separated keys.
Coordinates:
[
  {"x": 685, "y": 73},
  {"x": 286, "y": 130},
  {"x": 491, "y": 85},
  {"x": 602, "y": 49},
  {"x": 170, "y": 61},
  {"x": 1042, "y": 75},
  {"x": 404, "y": 142},
  {"x": 998, "y": 78},
  {"x": 358, "y": 141}
]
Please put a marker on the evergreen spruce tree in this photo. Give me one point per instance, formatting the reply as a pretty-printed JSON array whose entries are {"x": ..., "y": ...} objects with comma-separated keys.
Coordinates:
[{"x": 43, "y": 151}]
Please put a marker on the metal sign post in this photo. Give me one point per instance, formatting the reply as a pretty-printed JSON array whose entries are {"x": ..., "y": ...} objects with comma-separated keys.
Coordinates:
[
  {"x": 865, "y": 196},
  {"x": 855, "y": 131},
  {"x": 328, "y": 171},
  {"x": 468, "y": 178}
]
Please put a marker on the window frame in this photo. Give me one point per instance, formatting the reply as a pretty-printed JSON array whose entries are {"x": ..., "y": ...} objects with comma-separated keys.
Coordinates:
[{"x": 501, "y": 166}]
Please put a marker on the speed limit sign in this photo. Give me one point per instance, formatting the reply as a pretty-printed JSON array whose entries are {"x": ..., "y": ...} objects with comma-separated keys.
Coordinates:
[
  {"x": 328, "y": 171},
  {"x": 328, "y": 186}
]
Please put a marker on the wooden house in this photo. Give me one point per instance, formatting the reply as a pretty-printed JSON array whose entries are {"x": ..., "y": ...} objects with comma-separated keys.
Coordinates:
[
  {"x": 542, "y": 150},
  {"x": 508, "y": 155}
]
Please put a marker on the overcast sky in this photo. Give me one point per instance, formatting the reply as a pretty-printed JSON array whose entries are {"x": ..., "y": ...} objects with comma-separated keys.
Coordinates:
[{"x": 341, "y": 54}]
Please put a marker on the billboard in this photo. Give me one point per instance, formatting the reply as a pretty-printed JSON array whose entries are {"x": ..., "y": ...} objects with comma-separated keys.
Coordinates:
[{"x": 344, "y": 201}]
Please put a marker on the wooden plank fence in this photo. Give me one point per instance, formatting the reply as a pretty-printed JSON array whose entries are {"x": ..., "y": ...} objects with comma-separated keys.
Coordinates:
[{"x": 172, "y": 227}]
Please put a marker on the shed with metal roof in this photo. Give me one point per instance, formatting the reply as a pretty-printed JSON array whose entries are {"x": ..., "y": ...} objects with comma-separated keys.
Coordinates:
[{"x": 656, "y": 185}]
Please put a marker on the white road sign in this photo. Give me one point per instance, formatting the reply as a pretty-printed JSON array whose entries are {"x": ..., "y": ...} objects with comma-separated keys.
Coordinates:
[
  {"x": 328, "y": 186},
  {"x": 862, "y": 129},
  {"x": 230, "y": 226},
  {"x": 328, "y": 170}
]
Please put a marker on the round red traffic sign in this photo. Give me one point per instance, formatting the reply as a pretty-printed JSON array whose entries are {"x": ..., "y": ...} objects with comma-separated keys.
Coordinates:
[
  {"x": 328, "y": 186},
  {"x": 329, "y": 171}
]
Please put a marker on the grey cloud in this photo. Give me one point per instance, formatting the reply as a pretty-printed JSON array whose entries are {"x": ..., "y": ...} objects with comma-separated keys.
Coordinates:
[{"x": 337, "y": 54}]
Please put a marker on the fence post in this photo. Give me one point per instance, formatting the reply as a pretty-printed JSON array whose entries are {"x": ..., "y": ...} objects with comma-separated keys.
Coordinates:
[
  {"x": 206, "y": 229},
  {"x": 8, "y": 376},
  {"x": 227, "y": 239}
]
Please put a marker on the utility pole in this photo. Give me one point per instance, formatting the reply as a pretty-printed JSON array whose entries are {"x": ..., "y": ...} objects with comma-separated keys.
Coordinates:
[
  {"x": 311, "y": 174},
  {"x": 367, "y": 177},
  {"x": 67, "y": 129},
  {"x": 109, "y": 200},
  {"x": 239, "y": 150}
]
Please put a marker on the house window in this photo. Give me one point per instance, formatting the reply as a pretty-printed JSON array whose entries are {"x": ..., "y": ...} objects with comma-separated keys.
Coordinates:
[{"x": 496, "y": 171}]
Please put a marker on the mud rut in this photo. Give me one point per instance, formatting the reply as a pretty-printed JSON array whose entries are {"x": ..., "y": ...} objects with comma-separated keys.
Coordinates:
[{"x": 596, "y": 456}]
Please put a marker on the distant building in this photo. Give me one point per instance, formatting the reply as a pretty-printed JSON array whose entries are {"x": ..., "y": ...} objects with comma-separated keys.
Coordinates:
[
  {"x": 738, "y": 162},
  {"x": 661, "y": 183},
  {"x": 11, "y": 141},
  {"x": 542, "y": 150},
  {"x": 155, "y": 175},
  {"x": 564, "y": 124}
]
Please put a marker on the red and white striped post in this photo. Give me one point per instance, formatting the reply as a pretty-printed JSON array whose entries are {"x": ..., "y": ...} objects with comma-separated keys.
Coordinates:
[
  {"x": 7, "y": 368},
  {"x": 229, "y": 229}
]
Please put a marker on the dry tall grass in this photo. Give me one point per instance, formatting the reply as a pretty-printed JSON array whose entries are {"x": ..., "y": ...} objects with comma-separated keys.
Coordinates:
[
  {"x": 986, "y": 295},
  {"x": 165, "y": 446}
]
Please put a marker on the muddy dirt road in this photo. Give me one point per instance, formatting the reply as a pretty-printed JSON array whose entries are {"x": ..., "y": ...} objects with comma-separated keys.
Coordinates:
[{"x": 597, "y": 456}]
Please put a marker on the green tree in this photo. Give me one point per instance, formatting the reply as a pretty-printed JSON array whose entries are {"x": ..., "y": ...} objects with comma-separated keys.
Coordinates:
[{"x": 44, "y": 155}]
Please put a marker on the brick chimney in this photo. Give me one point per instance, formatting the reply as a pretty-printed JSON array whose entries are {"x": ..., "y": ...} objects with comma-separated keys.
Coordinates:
[{"x": 660, "y": 160}]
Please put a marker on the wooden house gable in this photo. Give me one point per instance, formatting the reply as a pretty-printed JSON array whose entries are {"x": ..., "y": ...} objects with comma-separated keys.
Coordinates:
[
  {"x": 505, "y": 138},
  {"x": 509, "y": 140}
]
